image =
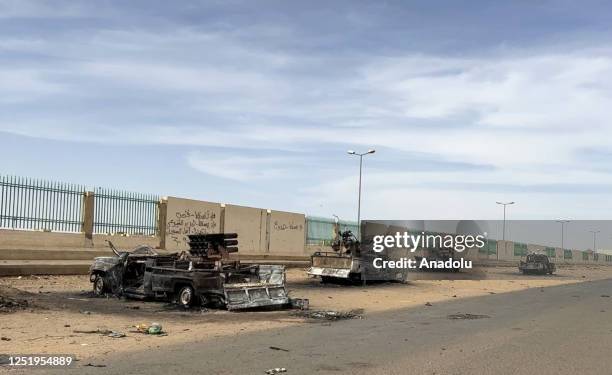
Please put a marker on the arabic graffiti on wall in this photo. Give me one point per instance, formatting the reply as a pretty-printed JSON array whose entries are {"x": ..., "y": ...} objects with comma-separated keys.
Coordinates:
[
  {"x": 291, "y": 226},
  {"x": 190, "y": 221}
]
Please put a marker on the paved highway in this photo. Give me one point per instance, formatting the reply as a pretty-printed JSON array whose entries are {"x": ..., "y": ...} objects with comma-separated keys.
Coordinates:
[{"x": 555, "y": 330}]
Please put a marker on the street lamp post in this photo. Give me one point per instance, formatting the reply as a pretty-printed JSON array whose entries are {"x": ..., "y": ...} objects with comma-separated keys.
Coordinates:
[
  {"x": 594, "y": 239},
  {"x": 504, "y": 224},
  {"x": 361, "y": 155},
  {"x": 563, "y": 222}
]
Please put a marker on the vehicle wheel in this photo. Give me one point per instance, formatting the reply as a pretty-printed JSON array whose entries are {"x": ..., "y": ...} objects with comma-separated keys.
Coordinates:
[
  {"x": 99, "y": 285},
  {"x": 185, "y": 296}
]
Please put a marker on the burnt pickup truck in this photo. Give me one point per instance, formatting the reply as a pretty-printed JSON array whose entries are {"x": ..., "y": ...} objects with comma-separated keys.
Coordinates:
[
  {"x": 205, "y": 275},
  {"x": 349, "y": 262}
]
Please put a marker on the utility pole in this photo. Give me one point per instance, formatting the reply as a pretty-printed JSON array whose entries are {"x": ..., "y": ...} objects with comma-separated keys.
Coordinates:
[
  {"x": 563, "y": 222},
  {"x": 504, "y": 225},
  {"x": 361, "y": 155},
  {"x": 594, "y": 239}
]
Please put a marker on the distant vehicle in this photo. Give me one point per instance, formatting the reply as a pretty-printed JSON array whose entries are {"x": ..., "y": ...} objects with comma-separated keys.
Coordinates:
[
  {"x": 203, "y": 276},
  {"x": 538, "y": 264}
]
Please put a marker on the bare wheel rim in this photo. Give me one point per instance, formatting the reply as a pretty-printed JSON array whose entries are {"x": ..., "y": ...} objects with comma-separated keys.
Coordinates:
[
  {"x": 185, "y": 296},
  {"x": 99, "y": 285}
]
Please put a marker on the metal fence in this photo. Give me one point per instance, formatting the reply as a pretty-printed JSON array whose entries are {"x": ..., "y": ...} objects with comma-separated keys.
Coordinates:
[
  {"x": 27, "y": 203},
  {"x": 125, "y": 212},
  {"x": 322, "y": 231}
]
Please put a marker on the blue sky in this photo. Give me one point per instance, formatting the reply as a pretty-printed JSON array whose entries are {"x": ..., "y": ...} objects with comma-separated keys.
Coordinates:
[{"x": 256, "y": 103}]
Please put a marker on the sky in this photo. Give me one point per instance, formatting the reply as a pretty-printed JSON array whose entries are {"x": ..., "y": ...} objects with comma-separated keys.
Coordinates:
[{"x": 256, "y": 102}]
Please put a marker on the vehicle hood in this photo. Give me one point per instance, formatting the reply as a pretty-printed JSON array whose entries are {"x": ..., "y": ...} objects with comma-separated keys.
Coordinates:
[{"x": 105, "y": 263}]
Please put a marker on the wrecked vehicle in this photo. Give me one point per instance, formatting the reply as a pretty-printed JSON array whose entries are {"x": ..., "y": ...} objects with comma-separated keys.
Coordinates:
[
  {"x": 437, "y": 254},
  {"x": 344, "y": 262},
  {"x": 538, "y": 264},
  {"x": 348, "y": 262},
  {"x": 205, "y": 275}
]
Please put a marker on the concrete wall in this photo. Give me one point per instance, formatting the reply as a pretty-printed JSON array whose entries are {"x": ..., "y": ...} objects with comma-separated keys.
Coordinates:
[
  {"x": 287, "y": 233},
  {"x": 250, "y": 224},
  {"x": 262, "y": 233},
  {"x": 188, "y": 216},
  {"x": 25, "y": 239},
  {"x": 124, "y": 242}
]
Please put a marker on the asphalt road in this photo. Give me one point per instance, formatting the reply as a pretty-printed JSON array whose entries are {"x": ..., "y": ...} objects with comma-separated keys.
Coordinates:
[{"x": 555, "y": 330}]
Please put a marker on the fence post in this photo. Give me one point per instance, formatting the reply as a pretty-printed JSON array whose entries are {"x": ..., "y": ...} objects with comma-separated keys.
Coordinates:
[
  {"x": 222, "y": 219},
  {"x": 88, "y": 214},
  {"x": 161, "y": 222},
  {"x": 268, "y": 230}
]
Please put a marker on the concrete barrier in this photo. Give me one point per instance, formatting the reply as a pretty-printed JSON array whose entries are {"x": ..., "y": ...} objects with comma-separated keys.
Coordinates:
[
  {"x": 250, "y": 224},
  {"x": 287, "y": 233},
  {"x": 188, "y": 216}
]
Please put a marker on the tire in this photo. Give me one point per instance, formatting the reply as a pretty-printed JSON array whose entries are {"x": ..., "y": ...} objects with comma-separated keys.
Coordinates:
[
  {"x": 99, "y": 286},
  {"x": 185, "y": 296}
]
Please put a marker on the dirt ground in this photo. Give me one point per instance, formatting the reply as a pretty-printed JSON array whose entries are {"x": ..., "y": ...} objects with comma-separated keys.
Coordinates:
[{"x": 60, "y": 305}]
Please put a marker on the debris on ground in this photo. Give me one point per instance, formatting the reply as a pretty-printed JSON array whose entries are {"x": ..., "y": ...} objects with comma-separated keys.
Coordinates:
[
  {"x": 277, "y": 370},
  {"x": 467, "y": 316},
  {"x": 277, "y": 348},
  {"x": 102, "y": 331},
  {"x": 11, "y": 304},
  {"x": 330, "y": 314},
  {"x": 605, "y": 296},
  {"x": 299, "y": 303},
  {"x": 93, "y": 365},
  {"x": 5, "y": 338},
  {"x": 85, "y": 312},
  {"x": 428, "y": 304},
  {"x": 152, "y": 329}
]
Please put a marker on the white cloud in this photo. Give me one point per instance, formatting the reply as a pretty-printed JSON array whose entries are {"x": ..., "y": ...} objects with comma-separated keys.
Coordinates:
[
  {"x": 526, "y": 114},
  {"x": 237, "y": 167}
]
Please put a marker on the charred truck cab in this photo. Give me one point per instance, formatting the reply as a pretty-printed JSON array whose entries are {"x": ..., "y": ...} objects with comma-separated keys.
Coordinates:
[
  {"x": 205, "y": 275},
  {"x": 343, "y": 263},
  {"x": 348, "y": 262}
]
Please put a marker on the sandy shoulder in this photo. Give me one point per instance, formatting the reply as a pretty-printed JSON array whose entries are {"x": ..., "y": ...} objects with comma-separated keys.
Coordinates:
[{"x": 62, "y": 305}]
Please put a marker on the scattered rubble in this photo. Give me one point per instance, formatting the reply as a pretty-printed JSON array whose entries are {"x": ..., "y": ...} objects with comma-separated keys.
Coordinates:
[
  {"x": 102, "y": 331},
  {"x": 299, "y": 303},
  {"x": 277, "y": 370},
  {"x": 93, "y": 365},
  {"x": 330, "y": 315},
  {"x": 152, "y": 329},
  {"x": 277, "y": 348},
  {"x": 8, "y": 304},
  {"x": 460, "y": 316}
]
